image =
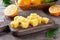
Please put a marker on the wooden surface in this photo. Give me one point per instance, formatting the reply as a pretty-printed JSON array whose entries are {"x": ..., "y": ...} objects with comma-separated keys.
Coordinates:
[
  {"x": 34, "y": 36},
  {"x": 38, "y": 28}
]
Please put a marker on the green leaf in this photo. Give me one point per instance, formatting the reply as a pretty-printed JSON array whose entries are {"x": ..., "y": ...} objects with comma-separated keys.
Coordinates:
[
  {"x": 6, "y": 3},
  {"x": 6, "y": 0},
  {"x": 51, "y": 32},
  {"x": 48, "y": 1}
]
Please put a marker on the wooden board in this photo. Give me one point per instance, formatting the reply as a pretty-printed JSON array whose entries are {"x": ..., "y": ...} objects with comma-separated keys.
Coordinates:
[
  {"x": 4, "y": 28},
  {"x": 40, "y": 27}
]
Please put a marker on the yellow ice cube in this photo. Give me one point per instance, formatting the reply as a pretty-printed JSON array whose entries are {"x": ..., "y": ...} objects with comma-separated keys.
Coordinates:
[
  {"x": 32, "y": 16},
  {"x": 16, "y": 18},
  {"x": 35, "y": 16},
  {"x": 22, "y": 19},
  {"x": 25, "y": 24},
  {"x": 34, "y": 22},
  {"x": 14, "y": 24},
  {"x": 39, "y": 19},
  {"x": 45, "y": 20}
]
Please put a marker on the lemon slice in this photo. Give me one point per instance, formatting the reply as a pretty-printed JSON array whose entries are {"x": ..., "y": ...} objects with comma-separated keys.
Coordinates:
[
  {"x": 11, "y": 10},
  {"x": 55, "y": 10}
]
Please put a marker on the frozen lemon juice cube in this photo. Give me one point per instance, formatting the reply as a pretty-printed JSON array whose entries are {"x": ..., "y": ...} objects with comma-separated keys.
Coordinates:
[
  {"x": 45, "y": 20},
  {"x": 25, "y": 24},
  {"x": 34, "y": 22},
  {"x": 14, "y": 24}
]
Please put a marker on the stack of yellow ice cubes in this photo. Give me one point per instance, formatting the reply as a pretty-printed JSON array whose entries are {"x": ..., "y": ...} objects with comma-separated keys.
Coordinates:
[{"x": 33, "y": 19}]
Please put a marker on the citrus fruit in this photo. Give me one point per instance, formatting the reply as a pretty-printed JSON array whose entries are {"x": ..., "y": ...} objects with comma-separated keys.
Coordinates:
[
  {"x": 20, "y": 2},
  {"x": 11, "y": 10},
  {"x": 36, "y": 2},
  {"x": 55, "y": 10}
]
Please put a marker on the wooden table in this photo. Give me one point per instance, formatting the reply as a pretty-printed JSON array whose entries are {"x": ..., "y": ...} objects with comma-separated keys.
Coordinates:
[{"x": 34, "y": 36}]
